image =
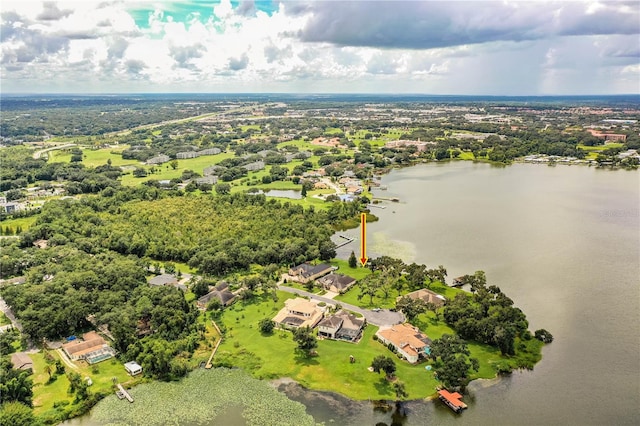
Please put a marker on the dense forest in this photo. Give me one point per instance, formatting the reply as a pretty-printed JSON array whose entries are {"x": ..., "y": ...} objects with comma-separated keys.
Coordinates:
[{"x": 215, "y": 235}]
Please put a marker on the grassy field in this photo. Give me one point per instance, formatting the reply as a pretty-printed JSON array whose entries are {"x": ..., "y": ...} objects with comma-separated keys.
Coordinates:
[
  {"x": 46, "y": 394},
  {"x": 273, "y": 356},
  {"x": 23, "y": 222},
  {"x": 593, "y": 151}
]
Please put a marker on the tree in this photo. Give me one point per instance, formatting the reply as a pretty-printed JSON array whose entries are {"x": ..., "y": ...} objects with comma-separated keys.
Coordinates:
[
  {"x": 303, "y": 193},
  {"x": 452, "y": 361},
  {"x": 353, "y": 261},
  {"x": 139, "y": 172},
  {"x": 410, "y": 307},
  {"x": 305, "y": 339},
  {"x": 15, "y": 385},
  {"x": 384, "y": 363},
  {"x": 16, "y": 414},
  {"x": 173, "y": 164},
  {"x": 223, "y": 188},
  {"x": 543, "y": 335},
  {"x": 266, "y": 326},
  {"x": 200, "y": 288},
  {"x": 400, "y": 390}
]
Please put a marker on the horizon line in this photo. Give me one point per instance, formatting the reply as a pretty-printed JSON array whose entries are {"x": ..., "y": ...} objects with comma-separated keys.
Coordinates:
[{"x": 307, "y": 94}]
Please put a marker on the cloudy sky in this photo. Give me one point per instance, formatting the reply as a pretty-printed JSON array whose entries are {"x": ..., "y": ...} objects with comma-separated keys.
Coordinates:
[{"x": 430, "y": 47}]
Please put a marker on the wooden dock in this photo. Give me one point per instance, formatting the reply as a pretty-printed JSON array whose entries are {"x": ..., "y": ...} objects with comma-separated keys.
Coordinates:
[
  {"x": 344, "y": 243},
  {"x": 122, "y": 393},
  {"x": 215, "y": 348}
]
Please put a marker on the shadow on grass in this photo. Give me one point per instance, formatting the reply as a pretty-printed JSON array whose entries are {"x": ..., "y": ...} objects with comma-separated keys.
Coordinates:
[
  {"x": 383, "y": 386},
  {"x": 306, "y": 360}
]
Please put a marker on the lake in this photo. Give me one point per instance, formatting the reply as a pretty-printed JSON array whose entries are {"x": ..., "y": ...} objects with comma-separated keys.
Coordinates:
[{"x": 564, "y": 243}]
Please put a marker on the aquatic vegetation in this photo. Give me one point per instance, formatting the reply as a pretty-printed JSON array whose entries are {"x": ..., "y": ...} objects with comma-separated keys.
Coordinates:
[{"x": 201, "y": 397}]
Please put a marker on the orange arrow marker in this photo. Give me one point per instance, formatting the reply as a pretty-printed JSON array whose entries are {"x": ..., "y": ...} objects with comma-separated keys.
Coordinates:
[{"x": 363, "y": 239}]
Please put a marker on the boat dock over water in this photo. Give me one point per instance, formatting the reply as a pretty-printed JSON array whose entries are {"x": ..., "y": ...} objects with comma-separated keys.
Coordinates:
[
  {"x": 452, "y": 400},
  {"x": 344, "y": 243},
  {"x": 122, "y": 393}
]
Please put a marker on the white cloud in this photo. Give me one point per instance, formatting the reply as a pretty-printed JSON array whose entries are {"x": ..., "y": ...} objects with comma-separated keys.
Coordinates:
[{"x": 497, "y": 48}]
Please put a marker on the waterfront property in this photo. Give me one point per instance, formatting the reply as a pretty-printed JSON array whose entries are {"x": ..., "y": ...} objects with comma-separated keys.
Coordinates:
[
  {"x": 341, "y": 326},
  {"x": 306, "y": 272},
  {"x": 92, "y": 348},
  {"x": 428, "y": 296},
  {"x": 407, "y": 340},
  {"x": 298, "y": 313},
  {"x": 337, "y": 283},
  {"x": 452, "y": 400}
]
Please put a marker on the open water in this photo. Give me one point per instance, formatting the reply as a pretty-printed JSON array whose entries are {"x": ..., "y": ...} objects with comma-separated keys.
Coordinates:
[{"x": 564, "y": 243}]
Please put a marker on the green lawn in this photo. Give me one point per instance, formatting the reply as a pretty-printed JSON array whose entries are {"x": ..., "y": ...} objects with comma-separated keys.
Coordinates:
[
  {"x": 166, "y": 172},
  {"x": 274, "y": 356},
  {"x": 45, "y": 395},
  {"x": 344, "y": 268},
  {"x": 24, "y": 222}
]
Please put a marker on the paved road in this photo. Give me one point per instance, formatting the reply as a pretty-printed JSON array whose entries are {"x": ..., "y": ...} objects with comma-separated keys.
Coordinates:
[
  {"x": 384, "y": 317},
  {"x": 9, "y": 313},
  {"x": 38, "y": 154}
]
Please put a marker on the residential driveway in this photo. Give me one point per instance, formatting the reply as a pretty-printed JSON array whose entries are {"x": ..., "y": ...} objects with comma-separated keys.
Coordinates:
[
  {"x": 9, "y": 313},
  {"x": 384, "y": 317}
]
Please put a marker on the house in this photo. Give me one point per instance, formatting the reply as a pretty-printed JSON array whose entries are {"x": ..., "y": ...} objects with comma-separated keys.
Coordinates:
[
  {"x": 336, "y": 282},
  {"x": 427, "y": 296},
  {"x": 21, "y": 361},
  {"x": 408, "y": 341},
  {"x": 164, "y": 279},
  {"x": 306, "y": 272},
  {"x": 213, "y": 170},
  {"x": 132, "y": 368},
  {"x": 297, "y": 313},
  {"x": 220, "y": 292},
  {"x": 92, "y": 348},
  {"x": 255, "y": 166},
  {"x": 341, "y": 326},
  {"x": 210, "y": 179},
  {"x": 158, "y": 159},
  {"x": 209, "y": 151},
  {"x": 186, "y": 154}
]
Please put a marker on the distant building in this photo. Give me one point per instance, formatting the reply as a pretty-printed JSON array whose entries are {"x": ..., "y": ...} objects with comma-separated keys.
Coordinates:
[
  {"x": 207, "y": 179},
  {"x": 255, "y": 166},
  {"x": 209, "y": 151},
  {"x": 185, "y": 155},
  {"x": 614, "y": 137},
  {"x": 421, "y": 146},
  {"x": 159, "y": 159},
  {"x": 213, "y": 170},
  {"x": 10, "y": 207}
]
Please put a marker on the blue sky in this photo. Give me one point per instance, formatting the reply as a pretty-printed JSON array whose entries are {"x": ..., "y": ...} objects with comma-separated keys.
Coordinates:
[{"x": 430, "y": 47}]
